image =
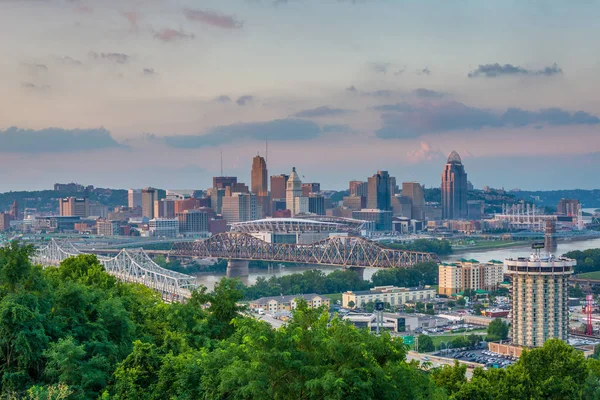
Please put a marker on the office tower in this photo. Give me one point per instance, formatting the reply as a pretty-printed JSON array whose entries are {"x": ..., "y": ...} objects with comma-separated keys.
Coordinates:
[
  {"x": 293, "y": 190},
  {"x": 259, "y": 182},
  {"x": 382, "y": 219},
  {"x": 393, "y": 187},
  {"x": 308, "y": 188},
  {"x": 188, "y": 204},
  {"x": 454, "y": 188},
  {"x": 5, "y": 219},
  {"x": 355, "y": 203},
  {"x": 149, "y": 196},
  {"x": 540, "y": 309},
  {"x": 359, "y": 188},
  {"x": 194, "y": 222},
  {"x": 379, "y": 194},
  {"x": 14, "y": 210},
  {"x": 164, "y": 227},
  {"x": 402, "y": 206},
  {"x": 97, "y": 210},
  {"x": 316, "y": 204},
  {"x": 462, "y": 275},
  {"x": 221, "y": 182},
  {"x": 107, "y": 227},
  {"x": 134, "y": 198},
  {"x": 73, "y": 207},
  {"x": 301, "y": 205},
  {"x": 164, "y": 209},
  {"x": 278, "y": 186},
  {"x": 216, "y": 199},
  {"x": 239, "y": 207},
  {"x": 569, "y": 207},
  {"x": 237, "y": 187},
  {"x": 414, "y": 191}
]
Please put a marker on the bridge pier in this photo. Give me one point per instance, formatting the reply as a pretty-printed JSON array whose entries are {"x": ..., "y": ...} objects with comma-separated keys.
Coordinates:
[
  {"x": 360, "y": 271},
  {"x": 237, "y": 268}
]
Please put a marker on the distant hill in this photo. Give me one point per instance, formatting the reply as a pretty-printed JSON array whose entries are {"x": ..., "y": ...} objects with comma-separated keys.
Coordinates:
[
  {"x": 550, "y": 198},
  {"x": 47, "y": 200}
]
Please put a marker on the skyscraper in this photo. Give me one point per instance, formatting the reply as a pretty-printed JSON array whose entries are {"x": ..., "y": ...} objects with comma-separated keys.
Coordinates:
[
  {"x": 73, "y": 207},
  {"x": 454, "y": 188},
  {"x": 414, "y": 191},
  {"x": 293, "y": 190},
  {"x": 259, "y": 182},
  {"x": 278, "y": 186},
  {"x": 379, "y": 194},
  {"x": 149, "y": 196},
  {"x": 540, "y": 299},
  {"x": 239, "y": 207},
  {"x": 134, "y": 198},
  {"x": 359, "y": 188},
  {"x": 221, "y": 182}
]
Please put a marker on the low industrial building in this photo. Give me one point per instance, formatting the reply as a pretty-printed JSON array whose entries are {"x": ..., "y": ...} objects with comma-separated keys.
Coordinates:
[
  {"x": 387, "y": 294},
  {"x": 396, "y": 322},
  {"x": 288, "y": 303}
]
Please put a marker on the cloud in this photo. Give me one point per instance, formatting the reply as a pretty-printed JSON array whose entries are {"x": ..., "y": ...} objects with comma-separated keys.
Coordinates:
[
  {"x": 379, "y": 93},
  {"x": 352, "y": 89},
  {"x": 426, "y": 93},
  {"x": 81, "y": 8},
  {"x": 223, "y": 99},
  {"x": 33, "y": 86},
  {"x": 68, "y": 60},
  {"x": 380, "y": 68},
  {"x": 322, "y": 111},
  {"x": 133, "y": 17},
  {"x": 119, "y": 58},
  {"x": 279, "y": 130},
  {"x": 149, "y": 71},
  {"x": 336, "y": 128},
  {"x": 172, "y": 35},
  {"x": 244, "y": 100},
  {"x": 496, "y": 70},
  {"x": 403, "y": 120},
  {"x": 34, "y": 67},
  {"x": 213, "y": 19},
  {"x": 424, "y": 153},
  {"x": 55, "y": 140},
  {"x": 424, "y": 71}
]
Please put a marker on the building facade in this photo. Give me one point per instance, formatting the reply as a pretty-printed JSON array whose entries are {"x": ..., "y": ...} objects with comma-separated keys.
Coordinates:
[
  {"x": 149, "y": 196},
  {"x": 194, "y": 222},
  {"x": 359, "y": 188},
  {"x": 310, "y": 188},
  {"x": 222, "y": 182},
  {"x": 316, "y": 204},
  {"x": 288, "y": 303},
  {"x": 355, "y": 203},
  {"x": 73, "y": 207},
  {"x": 381, "y": 219},
  {"x": 540, "y": 309},
  {"x": 293, "y": 191},
  {"x": 134, "y": 198},
  {"x": 414, "y": 191},
  {"x": 164, "y": 208},
  {"x": 381, "y": 188},
  {"x": 469, "y": 275},
  {"x": 454, "y": 188},
  {"x": 239, "y": 207},
  {"x": 164, "y": 227},
  {"x": 569, "y": 207},
  {"x": 279, "y": 186},
  {"x": 388, "y": 294},
  {"x": 108, "y": 228}
]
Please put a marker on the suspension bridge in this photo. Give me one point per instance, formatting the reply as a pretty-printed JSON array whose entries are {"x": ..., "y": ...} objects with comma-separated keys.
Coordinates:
[{"x": 129, "y": 265}]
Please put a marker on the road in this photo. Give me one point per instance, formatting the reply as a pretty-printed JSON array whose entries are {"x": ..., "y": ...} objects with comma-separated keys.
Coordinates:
[
  {"x": 275, "y": 323},
  {"x": 435, "y": 361}
]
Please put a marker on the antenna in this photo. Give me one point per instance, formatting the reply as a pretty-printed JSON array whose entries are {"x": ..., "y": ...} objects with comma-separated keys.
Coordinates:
[{"x": 221, "y": 162}]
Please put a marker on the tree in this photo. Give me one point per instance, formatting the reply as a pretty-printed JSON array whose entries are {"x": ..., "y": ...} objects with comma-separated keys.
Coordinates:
[
  {"x": 223, "y": 307},
  {"x": 425, "y": 344},
  {"x": 478, "y": 309},
  {"x": 450, "y": 378},
  {"x": 459, "y": 342},
  {"x": 461, "y": 302},
  {"x": 451, "y": 304},
  {"x": 497, "y": 330},
  {"x": 351, "y": 304}
]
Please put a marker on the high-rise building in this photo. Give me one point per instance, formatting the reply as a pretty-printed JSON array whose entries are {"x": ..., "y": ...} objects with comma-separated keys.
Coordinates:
[
  {"x": 239, "y": 207},
  {"x": 164, "y": 227},
  {"x": 569, "y": 207},
  {"x": 316, "y": 204},
  {"x": 5, "y": 219},
  {"x": 454, "y": 188},
  {"x": 355, "y": 203},
  {"x": 149, "y": 196},
  {"x": 301, "y": 205},
  {"x": 107, "y": 227},
  {"x": 187, "y": 204},
  {"x": 475, "y": 209},
  {"x": 279, "y": 186},
  {"x": 462, "y": 275},
  {"x": 382, "y": 219},
  {"x": 402, "y": 206},
  {"x": 73, "y": 207},
  {"x": 293, "y": 190},
  {"x": 540, "y": 300},
  {"x": 308, "y": 188},
  {"x": 259, "y": 183},
  {"x": 216, "y": 199},
  {"x": 97, "y": 210},
  {"x": 194, "y": 222},
  {"x": 134, "y": 198},
  {"x": 379, "y": 194},
  {"x": 359, "y": 188},
  {"x": 164, "y": 209},
  {"x": 14, "y": 210},
  {"x": 414, "y": 191},
  {"x": 221, "y": 182}
]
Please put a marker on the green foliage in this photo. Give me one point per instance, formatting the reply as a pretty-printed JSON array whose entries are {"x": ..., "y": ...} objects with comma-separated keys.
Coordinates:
[
  {"x": 478, "y": 309},
  {"x": 421, "y": 274},
  {"x": 425, "y": 344},
  {"x": 461, "y": 302},
  {"x": 587, "y": 260},
  {"x": 439, "y": 247},
  {"x": 47, "y": 200},
  {"x": 497, "y": 330}
]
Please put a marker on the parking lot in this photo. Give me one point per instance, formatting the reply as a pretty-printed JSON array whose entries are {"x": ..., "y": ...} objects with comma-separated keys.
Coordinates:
[{"x": 484, "y": 357}]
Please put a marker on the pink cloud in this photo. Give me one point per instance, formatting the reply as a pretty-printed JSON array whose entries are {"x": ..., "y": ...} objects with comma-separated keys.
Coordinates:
[
  {"x": 133, "y": 17},
  {"x": 212, "y": 18},
  {"x": 424, "y": 153},
  {"x": 172, "y": 35},
  {"x": 81, "y": 8}
]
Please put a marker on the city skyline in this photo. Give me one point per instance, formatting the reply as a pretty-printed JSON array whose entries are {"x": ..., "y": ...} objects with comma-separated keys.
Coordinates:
[{"x": 160, "y": 89}]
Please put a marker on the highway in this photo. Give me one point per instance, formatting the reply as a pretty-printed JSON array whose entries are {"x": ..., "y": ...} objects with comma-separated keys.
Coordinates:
[{"x": 437, "y": 361}]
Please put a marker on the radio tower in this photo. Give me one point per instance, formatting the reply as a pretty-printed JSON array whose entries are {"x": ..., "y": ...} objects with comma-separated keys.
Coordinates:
[{"x": 588, "y": 310}]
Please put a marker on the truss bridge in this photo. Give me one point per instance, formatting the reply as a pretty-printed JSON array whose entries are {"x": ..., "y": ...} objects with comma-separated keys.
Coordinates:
[{"x": 131, "y": 265}]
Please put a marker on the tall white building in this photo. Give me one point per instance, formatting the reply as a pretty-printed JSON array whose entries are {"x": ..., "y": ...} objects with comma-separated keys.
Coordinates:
[{"x": 293, "y": 190}]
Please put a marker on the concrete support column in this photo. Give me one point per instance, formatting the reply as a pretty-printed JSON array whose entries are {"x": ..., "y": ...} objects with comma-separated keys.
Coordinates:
[{"x": 237, "y": 268}]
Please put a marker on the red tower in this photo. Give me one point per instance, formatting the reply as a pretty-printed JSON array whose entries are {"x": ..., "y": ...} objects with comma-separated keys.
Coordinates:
[{"x": 588, "y": 310}]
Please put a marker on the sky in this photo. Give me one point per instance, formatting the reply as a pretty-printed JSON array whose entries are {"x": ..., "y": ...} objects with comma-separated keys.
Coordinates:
[{"x": 136, "y": 93}]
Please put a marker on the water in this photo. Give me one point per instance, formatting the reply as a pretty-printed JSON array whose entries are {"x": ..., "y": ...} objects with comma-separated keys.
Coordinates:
[{"x": 209, "y": 279}]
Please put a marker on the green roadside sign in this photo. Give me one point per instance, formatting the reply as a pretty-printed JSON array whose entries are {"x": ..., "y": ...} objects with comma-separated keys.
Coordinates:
[{"x": 409, "y": 340}]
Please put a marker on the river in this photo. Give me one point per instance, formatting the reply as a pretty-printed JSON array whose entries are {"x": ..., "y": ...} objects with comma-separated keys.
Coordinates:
[{"x": 209, "y": 279}]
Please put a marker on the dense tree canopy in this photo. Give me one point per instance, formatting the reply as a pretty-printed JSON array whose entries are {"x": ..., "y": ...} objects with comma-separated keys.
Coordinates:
[
  {"x": 497, "y": 330},
  {"x": 75, "y": 332}
]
